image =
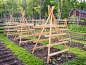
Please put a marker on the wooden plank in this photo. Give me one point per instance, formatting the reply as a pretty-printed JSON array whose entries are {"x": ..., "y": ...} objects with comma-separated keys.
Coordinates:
[
  {"x": 26, "y": 25},
  {"x": 55, "y": 25},
  {"x": 22, "y": 30},
  {"x": 11, "y": 30},
  {"x": 37, "y": 20},
  {"x": 65, "y": 39},
  {"x": 55, "y": 34},
  {"x": 31, "y": 29},
  {"x": 57, "y": 43},
  {"x": 58, "y": 52},
  {"x": 40, "y": 47},
  {"x": 43, "y": 33},
  {"x": 10, "y": 26},
  {"x": 41, "y": 40},
  {"x": 26, "y": 41}
]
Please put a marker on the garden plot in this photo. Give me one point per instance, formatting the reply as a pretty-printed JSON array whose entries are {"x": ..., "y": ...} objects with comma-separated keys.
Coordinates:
[
  {"x": 7, "y": 57},
  {"x": 42, "y": 53}
]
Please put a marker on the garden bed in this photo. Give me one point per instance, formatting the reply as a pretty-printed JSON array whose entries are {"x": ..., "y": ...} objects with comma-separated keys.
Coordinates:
[
  {"x": 7, "y": 57},
  {"x": 42, "y": 53}
]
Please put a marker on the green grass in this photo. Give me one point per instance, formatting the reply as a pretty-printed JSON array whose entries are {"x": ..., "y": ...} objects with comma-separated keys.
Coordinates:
[
  {"x": 77, "y": 41},
  {"x": 77, "y": 36},
  {"x": 2, "y": 27},
  {"x": 21, "y": 53},
  {"x": 2, "y": 30}
]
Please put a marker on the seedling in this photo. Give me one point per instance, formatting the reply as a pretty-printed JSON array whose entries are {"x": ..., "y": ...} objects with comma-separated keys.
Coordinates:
[
  {"x": 45, "y": 57},
  {"x": 63, "y": 56},
  {"x": 40, "y": 49},
  {"x": 31, "y": 49},
  {"x": 54, "y": 62},
  {"x": 59, "y": 58},
  {"x": 22, "y": 43},
  {"x": 66, "y": 56},
  {"x": 30, "y": 42},
  {"x": 54, "y": 59},
  {"x": 26, "y": 44},
  {"x": 69, "y": 56}
]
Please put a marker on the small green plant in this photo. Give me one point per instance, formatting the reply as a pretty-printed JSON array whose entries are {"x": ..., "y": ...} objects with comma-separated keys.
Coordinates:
[
  {"x": 40, "y": 49},
  {"x": 30, "y": 42},
  {"x": 26, "y": 44},
  {"x": 31, "y": 49},
  {"x": 54, "y": 59},
  {"x": 45, "y": 57},
  {"x": 63, "y": 55},
  {"x": 69, "y": 56},
  {"x": 59, "y": 58},
  {"x": 54, "y": 63},
  {"x": 66, "y": 56}
]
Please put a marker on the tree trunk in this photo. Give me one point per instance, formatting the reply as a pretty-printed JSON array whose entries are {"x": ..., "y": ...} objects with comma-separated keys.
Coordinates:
[
  {"x": 25, "y": 8},
  {"x": 40, "y": 10},
  {"x": 33, "y": 9}
]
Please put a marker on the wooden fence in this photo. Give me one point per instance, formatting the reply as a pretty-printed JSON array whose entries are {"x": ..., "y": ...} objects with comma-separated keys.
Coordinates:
[
  {"x": 73, "y": 22},
  {"x": 59, "y": 22}
]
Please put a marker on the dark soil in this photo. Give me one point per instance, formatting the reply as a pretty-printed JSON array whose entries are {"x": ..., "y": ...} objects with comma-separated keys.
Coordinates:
[
  {"x": 42, "y": 53},
  {"x": 7, "y": 57}
]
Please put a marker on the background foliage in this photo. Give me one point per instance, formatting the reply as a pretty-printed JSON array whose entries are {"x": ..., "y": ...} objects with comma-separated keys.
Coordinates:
[{"x": 33, "y": 7}]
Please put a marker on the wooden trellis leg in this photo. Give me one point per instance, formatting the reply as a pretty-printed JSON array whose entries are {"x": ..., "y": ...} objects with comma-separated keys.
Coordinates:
[
  {"x": 48, "y": 58},
  {"x": 50, "y": 39},
  {"x": 20, "y": 36},
  {"x": 67, "y": 28}
]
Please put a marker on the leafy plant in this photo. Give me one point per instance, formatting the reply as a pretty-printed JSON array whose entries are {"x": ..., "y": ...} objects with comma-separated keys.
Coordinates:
[
  {"x": 77, "y": 28},
  {"x": 63, "y": 55},
  {"x": 54, "y": 59},
  {"x": 54, "y": 62},
  {"x": 59, "y": 58},
  {"x": 69, "y": 56},
  {"x": 66, "y": 56}
]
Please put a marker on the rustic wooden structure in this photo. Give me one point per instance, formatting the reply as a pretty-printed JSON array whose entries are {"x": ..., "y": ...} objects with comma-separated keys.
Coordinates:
[
  {"x": 64, "y": 28},
  {"x": 51, "y": 26},
  {"x": 10, "y": 26},
  {"x": 24, "y": 28}
]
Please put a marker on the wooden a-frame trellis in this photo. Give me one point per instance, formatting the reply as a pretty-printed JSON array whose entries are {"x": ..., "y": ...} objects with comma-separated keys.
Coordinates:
[
  {"x": 63, "y": 28},
  {"x": 10, "y": 24},
  {"x": 51, "y": 26},
  {"x": 24, "y": 28}
]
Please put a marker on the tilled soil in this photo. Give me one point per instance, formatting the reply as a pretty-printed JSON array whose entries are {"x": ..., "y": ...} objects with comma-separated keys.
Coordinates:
[
  {"x": 42, "y": 53},
  {"x": 7, "y": 57}
]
